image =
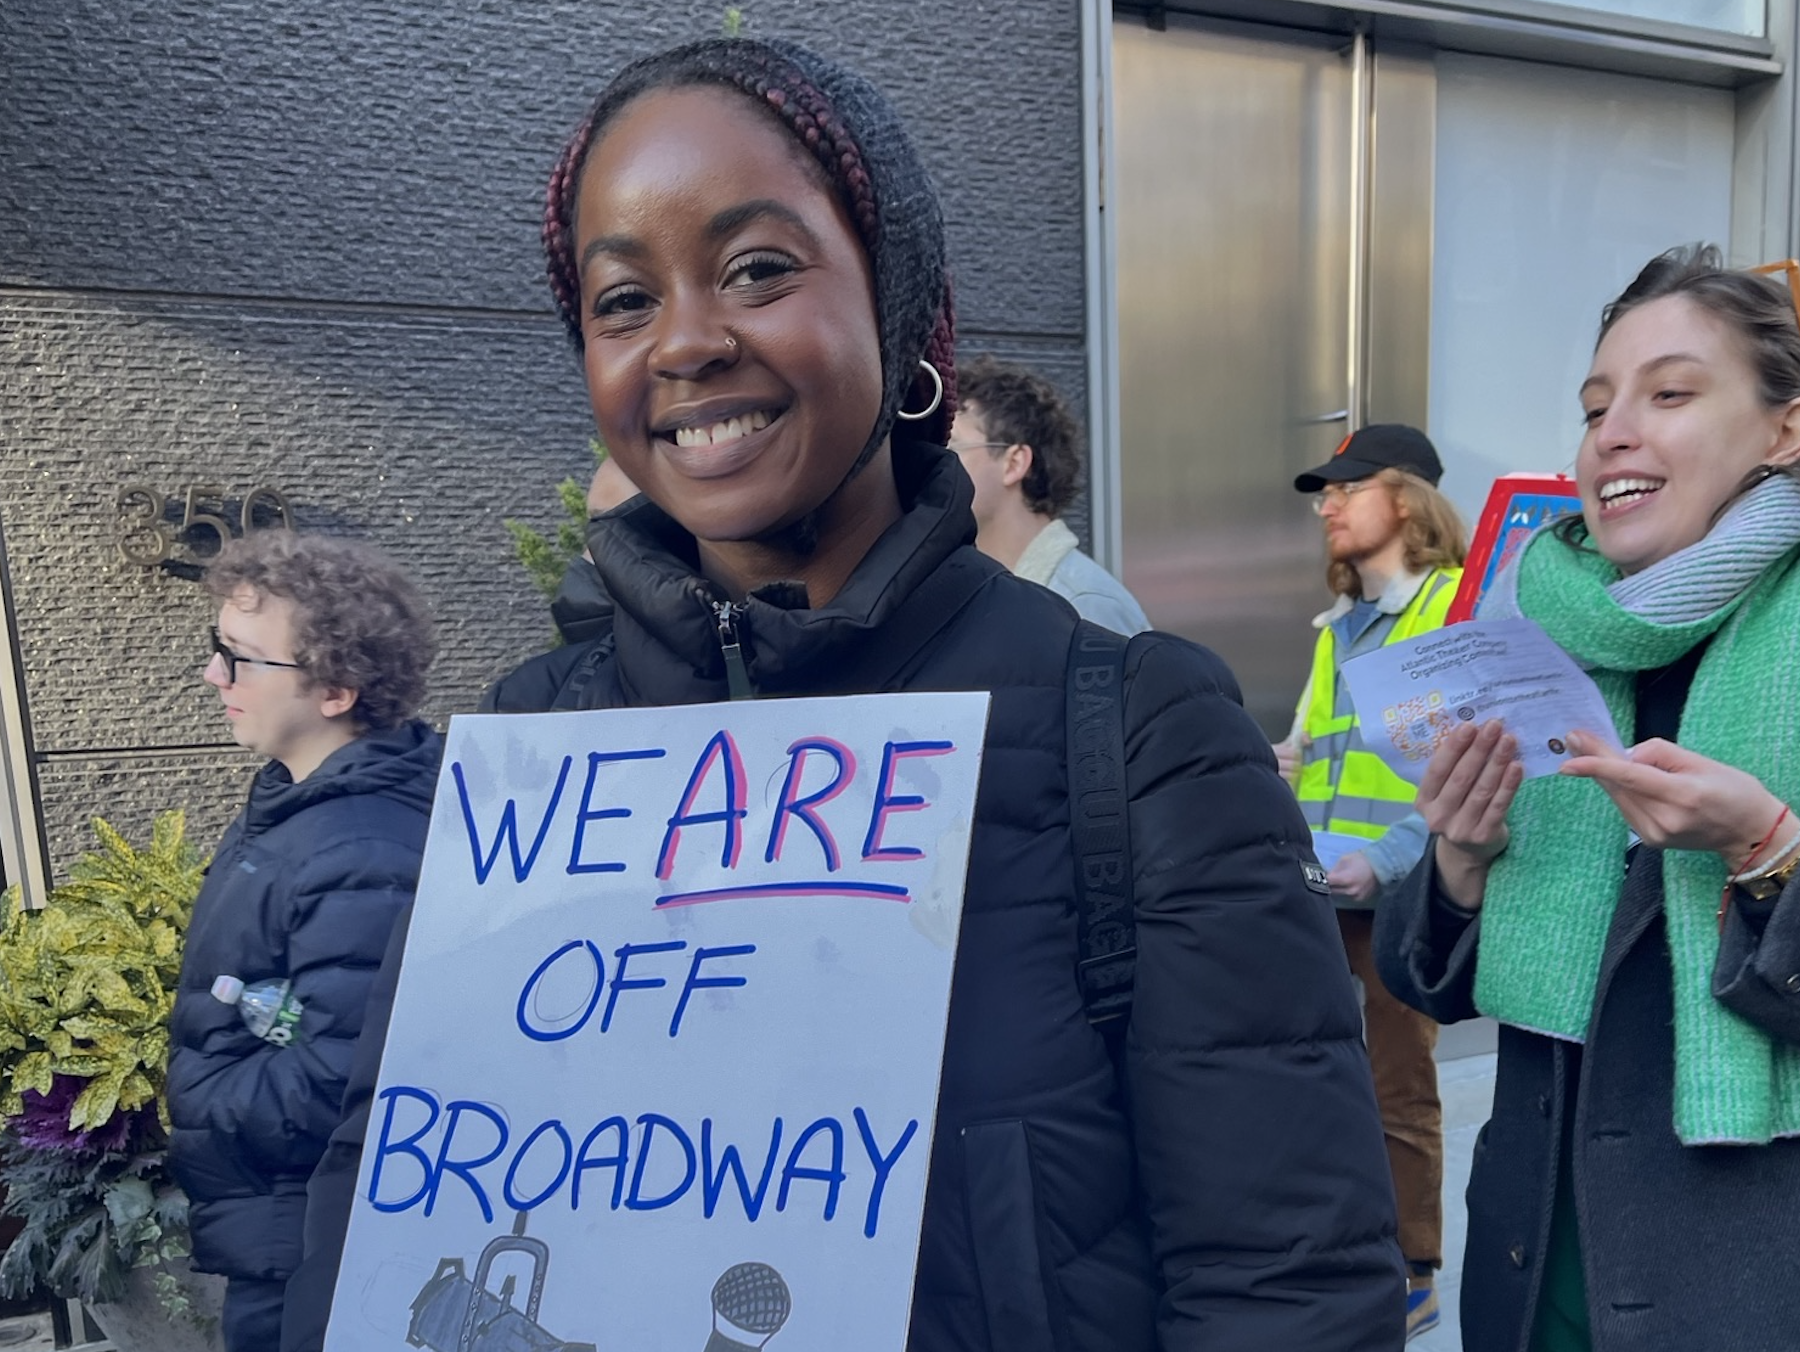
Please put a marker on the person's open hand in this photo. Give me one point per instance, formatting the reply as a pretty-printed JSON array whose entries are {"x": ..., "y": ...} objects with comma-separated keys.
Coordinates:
[
  {"x": 1468, "y": 786},
  {"x": 1353, "y": 876},
  {"x": 1676, "y": 799}
]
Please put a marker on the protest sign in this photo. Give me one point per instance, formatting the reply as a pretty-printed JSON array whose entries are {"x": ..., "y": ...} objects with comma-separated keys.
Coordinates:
[
  {"x": 1409, "y": 695},
  {"x": 663, "y": 1065},
  {"x": 1517, "y": 505}
]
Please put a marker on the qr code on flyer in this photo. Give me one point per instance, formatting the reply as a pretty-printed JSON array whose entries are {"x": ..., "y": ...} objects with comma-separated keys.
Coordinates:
[{"x": 1418, "y": 724}]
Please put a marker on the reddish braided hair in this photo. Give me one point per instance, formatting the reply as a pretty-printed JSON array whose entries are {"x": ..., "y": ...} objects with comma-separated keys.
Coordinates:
[
  {"x": 559, "y": 241},
  {"x": 861, "y": 149}
]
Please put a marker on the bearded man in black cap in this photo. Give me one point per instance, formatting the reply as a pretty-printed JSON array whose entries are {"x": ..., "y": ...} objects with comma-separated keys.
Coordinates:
[{"x": 1396, "y": 547}]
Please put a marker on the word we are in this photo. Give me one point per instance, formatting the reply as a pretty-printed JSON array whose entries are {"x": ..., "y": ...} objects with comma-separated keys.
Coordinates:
[{"x": 714, "y": 798}]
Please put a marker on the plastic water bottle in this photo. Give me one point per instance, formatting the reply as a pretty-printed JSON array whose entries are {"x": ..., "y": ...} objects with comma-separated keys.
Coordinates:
[{"x": 268, "y": 1009}]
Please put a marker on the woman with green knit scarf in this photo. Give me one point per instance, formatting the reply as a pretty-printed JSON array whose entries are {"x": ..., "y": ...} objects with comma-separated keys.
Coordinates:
[{"x": 1634, "y": 923}]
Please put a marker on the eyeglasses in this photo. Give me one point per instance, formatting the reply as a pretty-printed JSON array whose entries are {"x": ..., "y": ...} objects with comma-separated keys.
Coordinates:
[
  {"x": 232, "y": 659},
  {"x": 983, "y": 446},
  {"x": 1338, "y": 494}
]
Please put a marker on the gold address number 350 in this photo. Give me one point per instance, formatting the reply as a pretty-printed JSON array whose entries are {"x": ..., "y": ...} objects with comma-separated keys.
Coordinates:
[{"x": 151, "y": 527}]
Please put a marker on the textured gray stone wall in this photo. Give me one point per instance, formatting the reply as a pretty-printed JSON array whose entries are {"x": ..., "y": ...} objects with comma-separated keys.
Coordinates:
[{"x": 295, "y": 245}]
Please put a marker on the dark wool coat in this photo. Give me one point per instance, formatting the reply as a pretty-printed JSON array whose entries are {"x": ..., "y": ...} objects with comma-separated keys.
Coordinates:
[
  {"x": 1685, "y": 1248},
  {"x": 306, "y": 885},
  {"x": 1244, "y": 1204}
]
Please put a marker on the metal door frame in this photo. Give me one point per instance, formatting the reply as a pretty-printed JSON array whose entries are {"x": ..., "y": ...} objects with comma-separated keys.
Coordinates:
[
  {"x": 22, "y": 841},
  {"x": 1105, "y": 487}
]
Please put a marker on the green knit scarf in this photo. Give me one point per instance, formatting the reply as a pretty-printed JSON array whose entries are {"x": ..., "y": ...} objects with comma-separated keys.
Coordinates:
[{"x": 1550, "y": 896}]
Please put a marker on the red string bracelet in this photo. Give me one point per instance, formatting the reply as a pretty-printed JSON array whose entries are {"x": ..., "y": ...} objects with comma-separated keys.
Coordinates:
[{"x": 1749, "y": 859}]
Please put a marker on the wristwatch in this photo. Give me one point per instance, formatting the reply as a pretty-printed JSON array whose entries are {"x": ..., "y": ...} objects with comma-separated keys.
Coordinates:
[{"x": 1770, "y": 885}]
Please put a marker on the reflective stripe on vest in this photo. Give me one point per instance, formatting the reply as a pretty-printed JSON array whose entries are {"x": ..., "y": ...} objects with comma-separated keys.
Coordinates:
[
  {"x": 1343, "y": 786},
  {"x": 1370, "y": 817}
]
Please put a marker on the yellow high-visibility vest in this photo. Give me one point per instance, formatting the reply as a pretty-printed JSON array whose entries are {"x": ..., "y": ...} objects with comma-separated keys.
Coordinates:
[{"x": 1343, "y": 786}]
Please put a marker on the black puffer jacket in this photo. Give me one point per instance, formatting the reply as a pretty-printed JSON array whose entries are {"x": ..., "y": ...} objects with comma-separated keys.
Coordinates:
[
  {"x": 554, "y": 681},
  {"x": 306, "y": 885},
  {"x": 1244, "y": 1206}
]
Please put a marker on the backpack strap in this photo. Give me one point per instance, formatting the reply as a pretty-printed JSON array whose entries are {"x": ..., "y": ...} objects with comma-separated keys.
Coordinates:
[
  {"x": 1100, "y": 823},
  {"x": 573, "y": 693}
]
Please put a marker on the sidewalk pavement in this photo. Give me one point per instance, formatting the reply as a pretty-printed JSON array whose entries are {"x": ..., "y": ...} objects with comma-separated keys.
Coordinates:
[
  {"x": 30, "y": 1333},
  {"x": 1466, "y": 1086}
]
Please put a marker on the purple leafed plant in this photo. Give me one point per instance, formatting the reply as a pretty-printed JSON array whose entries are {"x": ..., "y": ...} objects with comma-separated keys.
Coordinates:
[{"x": 44, "y": 1125}]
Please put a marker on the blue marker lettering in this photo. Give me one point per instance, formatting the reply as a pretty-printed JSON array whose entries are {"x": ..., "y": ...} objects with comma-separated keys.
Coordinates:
[
  {"x": 537, "y": 1034},
  {"x": 589, "y": 813},
  {"x": 624, "y": 953},
  {"x": 884, "y": 1165},
  {"x": 696, "y": 982},
  {"x": 465, "y": 1169},
  {"x": 407, "y": 1145},
  {"x": 832, "y": 1177},
  {"x": 806, "y": 809},
  {"x": 722, "y": 749},
  {"x": 614, "y": 1161},
  {"x": 518, "y": 1203},
  {"x": 712, "y": 1181},
  {"x": 508, "y": 831},
  {"x": 886, "y": 800},
  {"x": 637, "y": 1201}
]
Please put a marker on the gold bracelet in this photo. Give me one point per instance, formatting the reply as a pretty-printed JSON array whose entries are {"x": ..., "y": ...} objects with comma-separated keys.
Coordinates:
[{"x": 1769, "y": 885}]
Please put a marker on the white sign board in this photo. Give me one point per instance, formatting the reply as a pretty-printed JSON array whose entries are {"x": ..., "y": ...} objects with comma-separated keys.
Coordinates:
[
  {"x": 1409, "y": 695},
  {"x": 663, "y": 1065}
]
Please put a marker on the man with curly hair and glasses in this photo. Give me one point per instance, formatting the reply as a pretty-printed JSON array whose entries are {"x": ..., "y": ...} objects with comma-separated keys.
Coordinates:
[
  {"x": 1021, "y": 447},
  {"x": 319, "y": 655}
]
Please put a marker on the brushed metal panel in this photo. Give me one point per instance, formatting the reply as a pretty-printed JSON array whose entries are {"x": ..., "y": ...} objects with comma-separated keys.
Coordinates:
[
  {"x": 1233, "y": 196},
  {"x": 1403, "y": 144}
]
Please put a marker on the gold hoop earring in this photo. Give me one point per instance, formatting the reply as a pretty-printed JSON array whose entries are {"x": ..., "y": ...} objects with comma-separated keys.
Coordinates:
[{"x": 937, "y": 396}]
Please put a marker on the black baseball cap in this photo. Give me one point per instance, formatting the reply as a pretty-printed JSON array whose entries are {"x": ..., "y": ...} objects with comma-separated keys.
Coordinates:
[{"x": 1373, "y": 449}]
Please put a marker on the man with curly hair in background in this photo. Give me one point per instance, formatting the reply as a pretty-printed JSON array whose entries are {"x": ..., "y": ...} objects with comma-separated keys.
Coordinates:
[
  {"x": 1021, "y": 446},
  {"x": 319, "y": 655}
]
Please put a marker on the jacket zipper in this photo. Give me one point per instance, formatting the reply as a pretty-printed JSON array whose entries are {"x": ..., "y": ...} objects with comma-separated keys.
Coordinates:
[{"x": 737, "y": 675}]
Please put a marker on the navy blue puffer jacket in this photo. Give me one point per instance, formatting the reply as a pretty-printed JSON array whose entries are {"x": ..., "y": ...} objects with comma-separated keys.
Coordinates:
[
  {"x": 1243, "y": 1202},
  {"x": 306, "y": 886}
]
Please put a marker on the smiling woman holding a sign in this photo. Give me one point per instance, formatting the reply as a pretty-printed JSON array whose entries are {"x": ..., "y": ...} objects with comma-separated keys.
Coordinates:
[
  {"x": 750, "y": 259},
  {"x": 1634, "y": 921}
]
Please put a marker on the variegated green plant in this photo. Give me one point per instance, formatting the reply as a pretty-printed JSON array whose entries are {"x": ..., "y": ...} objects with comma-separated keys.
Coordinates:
[
  {"x": 87, "y": 983},
  {"x": 86, "y": 987}
]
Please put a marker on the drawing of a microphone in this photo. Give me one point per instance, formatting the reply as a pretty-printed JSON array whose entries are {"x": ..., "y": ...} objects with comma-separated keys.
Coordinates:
[{"x": 750, "y": 1304}]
